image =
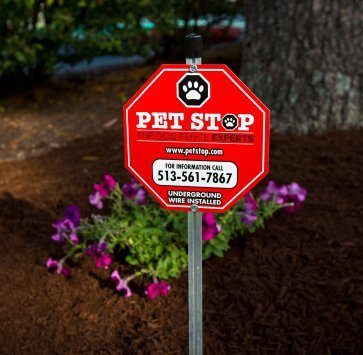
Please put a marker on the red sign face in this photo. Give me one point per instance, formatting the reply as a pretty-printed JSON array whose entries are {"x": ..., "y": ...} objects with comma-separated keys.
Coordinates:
[{"x": 196, "y": 138}]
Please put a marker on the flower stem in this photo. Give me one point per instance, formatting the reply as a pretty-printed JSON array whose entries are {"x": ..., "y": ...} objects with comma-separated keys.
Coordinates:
[
  {"x": 287, "y": 204},
  {"x": 136, "y": 274}
]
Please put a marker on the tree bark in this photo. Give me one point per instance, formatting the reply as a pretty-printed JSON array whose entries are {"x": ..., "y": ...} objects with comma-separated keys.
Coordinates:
[{"x": 304, "y": 60}]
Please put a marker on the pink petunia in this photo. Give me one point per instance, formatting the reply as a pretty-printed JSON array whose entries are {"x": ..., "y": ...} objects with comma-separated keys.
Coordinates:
[
  {"x": 121, "y": 284},
  {"x": 98, "y": 252},
  {"x": 210, "y": 228},
  {"x": 96, "y": 200},
  {"x": 106, "y": 186},
  {"x": 157, "y": 288},
  {"x": 58, "y": 266},
  {"x": 101, "y": 191},
  {"x": 65, "y": 230}
]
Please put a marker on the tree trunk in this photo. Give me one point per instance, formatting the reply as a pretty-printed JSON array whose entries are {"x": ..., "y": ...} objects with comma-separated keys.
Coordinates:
[{"x": 304, "y": 60}]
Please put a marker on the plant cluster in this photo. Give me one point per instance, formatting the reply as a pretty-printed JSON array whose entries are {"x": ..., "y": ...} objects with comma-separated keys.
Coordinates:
[
  {"x": 37, "y": 34},
  {"x": 151, "y": 240}
]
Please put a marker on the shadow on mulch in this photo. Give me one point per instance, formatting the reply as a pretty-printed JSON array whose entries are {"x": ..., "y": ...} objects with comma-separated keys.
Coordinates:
[
  {"x": 22, "y": 219},
  {"x": 293, "y": 288}
]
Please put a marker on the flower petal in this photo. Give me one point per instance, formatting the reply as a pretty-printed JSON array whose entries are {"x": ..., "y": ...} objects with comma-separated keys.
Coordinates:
[
  {"x": 73, "y": 213},
  {"x": 110, "y": 181},
  {"x": 208, "y": 219},
  {"x": 140, "y": 196}
]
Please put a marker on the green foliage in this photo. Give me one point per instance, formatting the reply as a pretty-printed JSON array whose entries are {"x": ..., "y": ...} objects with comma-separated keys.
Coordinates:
[
  {"x": 156, "y": 240},
  {"x": 36, "y": 34}
]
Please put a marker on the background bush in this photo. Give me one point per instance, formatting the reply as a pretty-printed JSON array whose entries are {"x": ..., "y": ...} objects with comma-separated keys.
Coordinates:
[{"x": 36, "y": 34}]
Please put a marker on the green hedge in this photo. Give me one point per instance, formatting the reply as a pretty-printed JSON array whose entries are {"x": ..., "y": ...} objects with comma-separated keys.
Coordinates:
[{"x": 36, "y": 34}]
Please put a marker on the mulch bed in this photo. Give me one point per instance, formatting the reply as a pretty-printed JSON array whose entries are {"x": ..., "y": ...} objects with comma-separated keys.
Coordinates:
[{"x": 294, "y": 287}]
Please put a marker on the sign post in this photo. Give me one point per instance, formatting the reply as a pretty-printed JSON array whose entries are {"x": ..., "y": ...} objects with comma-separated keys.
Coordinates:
[
  {"x": 193, "y": 54},
  {"x": 197, "y": 138},
  {"x": 195, "y": 281}
]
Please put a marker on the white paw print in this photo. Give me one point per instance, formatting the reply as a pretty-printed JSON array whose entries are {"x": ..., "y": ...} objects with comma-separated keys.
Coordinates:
[
  {"x": 230, "y": 122},
  {"x": 193, "y": 90}
]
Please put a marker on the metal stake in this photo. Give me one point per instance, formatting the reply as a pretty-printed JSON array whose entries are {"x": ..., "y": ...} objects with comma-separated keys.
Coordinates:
[
  {"x": 195, "y": 281},
  {"x": 193, "y": 54}
]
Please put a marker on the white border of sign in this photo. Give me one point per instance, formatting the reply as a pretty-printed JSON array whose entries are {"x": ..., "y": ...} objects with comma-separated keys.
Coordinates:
[{"x": 239, "y": 87}]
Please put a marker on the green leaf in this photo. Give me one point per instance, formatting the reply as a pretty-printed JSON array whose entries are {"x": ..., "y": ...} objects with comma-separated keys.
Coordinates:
[
  {"x": 218, "y": 252},
  {"x": 131, "y": 260}
]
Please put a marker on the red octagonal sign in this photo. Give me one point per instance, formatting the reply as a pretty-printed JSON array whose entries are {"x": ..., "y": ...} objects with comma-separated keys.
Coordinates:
[{"x": 196, "y": 138}]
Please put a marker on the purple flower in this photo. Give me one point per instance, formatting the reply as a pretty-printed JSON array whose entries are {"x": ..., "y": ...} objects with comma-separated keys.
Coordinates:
[
  {"x": 99, "y": 254},
  {"x": 65, "y": 230},
  {"x": 157, "y": 288},
  {"x": 130, "y": 189},
  {"x": 295, "y": 194},
  {"x": 96, "y": 200},
  {"x": 101, "y": 191},
  {"x": 134, "y": 191},
  {"x": 210, "y": 228},
  {"x": 292, "y": 194},
  {"x": 140, "y": 197},
  {"x": 250, "y": 206},
  {"x": 55, "y": 265},
  {"x": 106, "y": 186},
  {"x": 250, "y": 203},
  {"x": 121, "y": 284},
  {"x": 248, "y": 219},
  {"x": 274, "y": 193},
  {"x": 73, "y": 213}
]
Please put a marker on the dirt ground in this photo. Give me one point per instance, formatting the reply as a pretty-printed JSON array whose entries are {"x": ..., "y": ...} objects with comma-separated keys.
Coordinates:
[
  {"x": 56, "y": 113},
  {"x": 293, "y": 288}
]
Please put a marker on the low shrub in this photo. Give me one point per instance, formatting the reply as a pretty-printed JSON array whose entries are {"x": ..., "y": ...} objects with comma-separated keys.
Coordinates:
[
  {"x": 35, "y": 35},
  {"x": 138, "y": 232}
]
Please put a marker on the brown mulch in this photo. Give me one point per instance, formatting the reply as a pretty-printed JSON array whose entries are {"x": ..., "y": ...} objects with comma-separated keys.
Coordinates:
[
  {"x": 293, "y": 288},
  {"x": 57, "y": 112}
]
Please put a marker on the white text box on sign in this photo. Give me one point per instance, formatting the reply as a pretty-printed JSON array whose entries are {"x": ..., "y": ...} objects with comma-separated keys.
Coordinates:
[{"x": 195, "y": 173}]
